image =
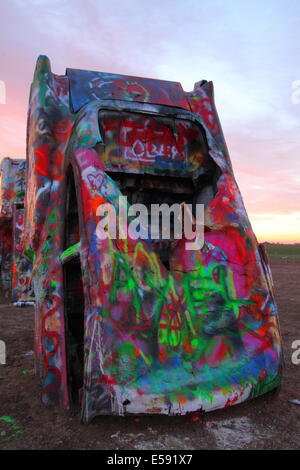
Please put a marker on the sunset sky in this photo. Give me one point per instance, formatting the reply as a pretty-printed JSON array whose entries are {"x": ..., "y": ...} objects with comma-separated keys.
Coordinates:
[{"x": 249, "y": 49}]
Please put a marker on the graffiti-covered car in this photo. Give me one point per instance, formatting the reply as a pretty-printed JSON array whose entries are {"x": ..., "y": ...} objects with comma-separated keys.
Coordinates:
[
  {"x": 15, "y": 268},
  {"x": 141, "y": 325}
]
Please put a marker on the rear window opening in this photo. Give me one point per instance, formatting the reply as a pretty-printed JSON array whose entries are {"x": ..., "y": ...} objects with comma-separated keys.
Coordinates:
[
  {"x": 158, "y": 160},
  {"x": 149, "y": 189}
]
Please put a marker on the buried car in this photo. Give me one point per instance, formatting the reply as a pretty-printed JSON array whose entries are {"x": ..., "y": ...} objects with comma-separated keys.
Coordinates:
[
  {"x": 129, "y": 324},
  {"x": 15, "y": 269}
]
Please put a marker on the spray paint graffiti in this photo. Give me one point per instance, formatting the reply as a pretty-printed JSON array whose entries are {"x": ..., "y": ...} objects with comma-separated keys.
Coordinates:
[
  {"x": 15, "y": 268},
  {"x": 141, "y": 326},
  {"x": 133, "y": 142}
]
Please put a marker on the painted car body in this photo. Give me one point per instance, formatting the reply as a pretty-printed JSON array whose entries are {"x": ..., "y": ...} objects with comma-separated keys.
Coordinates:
[
  {"x": 198, "y": 331},
  {"x": 15, "y": 267}
]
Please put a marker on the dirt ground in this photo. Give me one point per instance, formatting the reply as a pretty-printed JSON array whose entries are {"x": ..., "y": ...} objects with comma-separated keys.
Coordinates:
[{"x": 269, "y": 422}]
